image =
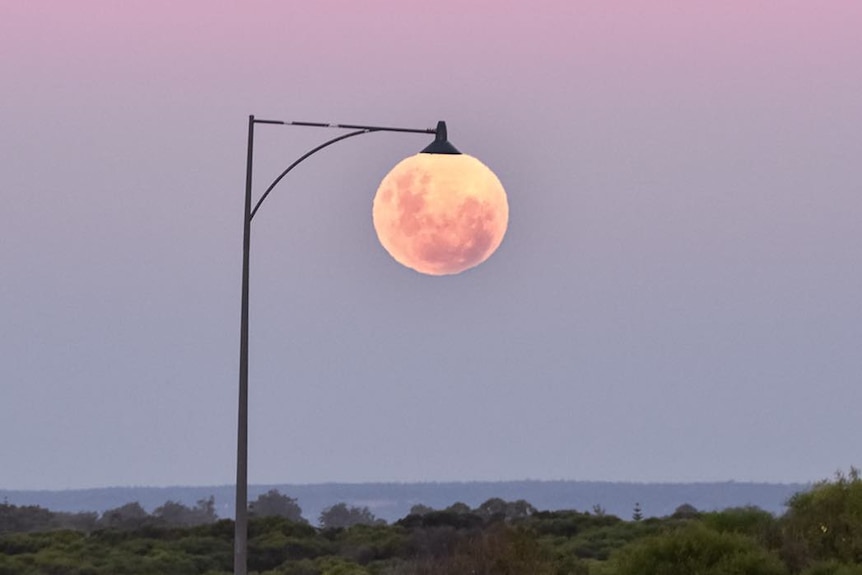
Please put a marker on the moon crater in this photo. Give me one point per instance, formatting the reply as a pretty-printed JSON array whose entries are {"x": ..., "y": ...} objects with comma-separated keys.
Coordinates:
[{"x": 440, "y": 214}]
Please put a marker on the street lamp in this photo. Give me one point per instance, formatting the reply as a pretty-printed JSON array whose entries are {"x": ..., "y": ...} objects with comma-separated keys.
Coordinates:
[{"x": 440, "y": 145}]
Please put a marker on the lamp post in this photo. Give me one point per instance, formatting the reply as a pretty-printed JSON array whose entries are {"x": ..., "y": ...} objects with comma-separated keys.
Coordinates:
[{"x": 440, "y": 145}]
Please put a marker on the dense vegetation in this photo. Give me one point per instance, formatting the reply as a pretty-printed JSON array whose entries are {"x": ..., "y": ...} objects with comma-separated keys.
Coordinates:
[{"x": 820, "y": 534}]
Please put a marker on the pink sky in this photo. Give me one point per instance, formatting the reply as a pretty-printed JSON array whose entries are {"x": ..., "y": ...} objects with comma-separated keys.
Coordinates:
[
  {"x": 133, "y": 39},
  {"x": 683, "y": 257}
]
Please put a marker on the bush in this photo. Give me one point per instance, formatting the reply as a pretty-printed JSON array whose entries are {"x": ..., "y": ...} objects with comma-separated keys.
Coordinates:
[
  {"x": 751, "y": 521},
  {"x": 833, "y": 568},
  {"x": 826, "y": 522},
  {"x": 696, "y": 549}
]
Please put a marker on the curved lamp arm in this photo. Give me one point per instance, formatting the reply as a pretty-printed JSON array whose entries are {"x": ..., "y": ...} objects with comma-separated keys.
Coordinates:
[
  {"x": 439, "y": 132},
  {"x": 300, "y": 160}
]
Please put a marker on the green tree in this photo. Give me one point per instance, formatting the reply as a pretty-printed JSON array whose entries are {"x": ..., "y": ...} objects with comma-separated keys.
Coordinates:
[
  {"x": 205, "y": 511},
  {"x": 637, "y": 514},
  {"x": 84, "y": 521},
  {"x": 341, "y": 515},
  {"x": 826, "y": 521},
  {"x": 695, "y": 549},
  {"x": 128, "y": 516},
  {"x": 274, "y": 504},
  {"x": 459, "y": 508},
  {"x": 686, "y": 511},
  {"x": 24, "y": 518},
  {"x": 496, "y": 508},
  {"x": 175, "y": 514},
  {"x": 749, "y": 520},
  {"x": 500, "y": 549},
  {"x": 420, "y": 509},
  {"x": 833, "y": 568}
]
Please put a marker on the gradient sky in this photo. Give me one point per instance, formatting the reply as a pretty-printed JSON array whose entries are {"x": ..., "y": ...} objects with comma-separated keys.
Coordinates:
[{"x": 677, "y": 298}]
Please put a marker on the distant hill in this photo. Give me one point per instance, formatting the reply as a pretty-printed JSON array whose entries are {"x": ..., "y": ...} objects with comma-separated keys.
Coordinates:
[{"x": 392, "y": 501}]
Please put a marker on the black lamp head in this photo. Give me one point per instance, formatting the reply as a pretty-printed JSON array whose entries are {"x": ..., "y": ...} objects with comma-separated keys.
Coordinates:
[{"x": 441, "y": 144}]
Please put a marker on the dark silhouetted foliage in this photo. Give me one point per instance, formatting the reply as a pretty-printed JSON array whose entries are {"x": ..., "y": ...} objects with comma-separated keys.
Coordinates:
[
  {"x": 274, "y": 504},
  {"x": 341, "y": 515},
  {"x": 819, "y": 535}
]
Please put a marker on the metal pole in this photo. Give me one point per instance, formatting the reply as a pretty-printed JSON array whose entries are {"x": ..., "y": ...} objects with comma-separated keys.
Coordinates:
[
  {"x": 241, "y": 526},
  {"x": 240, "y": 557}
]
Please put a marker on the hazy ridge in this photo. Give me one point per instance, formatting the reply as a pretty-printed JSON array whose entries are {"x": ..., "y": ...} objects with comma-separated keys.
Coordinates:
[{"x": 392, "y": 501}]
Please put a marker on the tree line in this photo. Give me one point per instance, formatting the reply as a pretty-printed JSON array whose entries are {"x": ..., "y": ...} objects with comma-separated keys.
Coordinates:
[
  {"x": 33, "y": 518},
  {"x": 820, "y": 534}
]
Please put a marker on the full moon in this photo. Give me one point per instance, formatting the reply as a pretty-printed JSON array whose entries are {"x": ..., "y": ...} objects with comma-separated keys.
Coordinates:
[{"x": 440, "y": 214}]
